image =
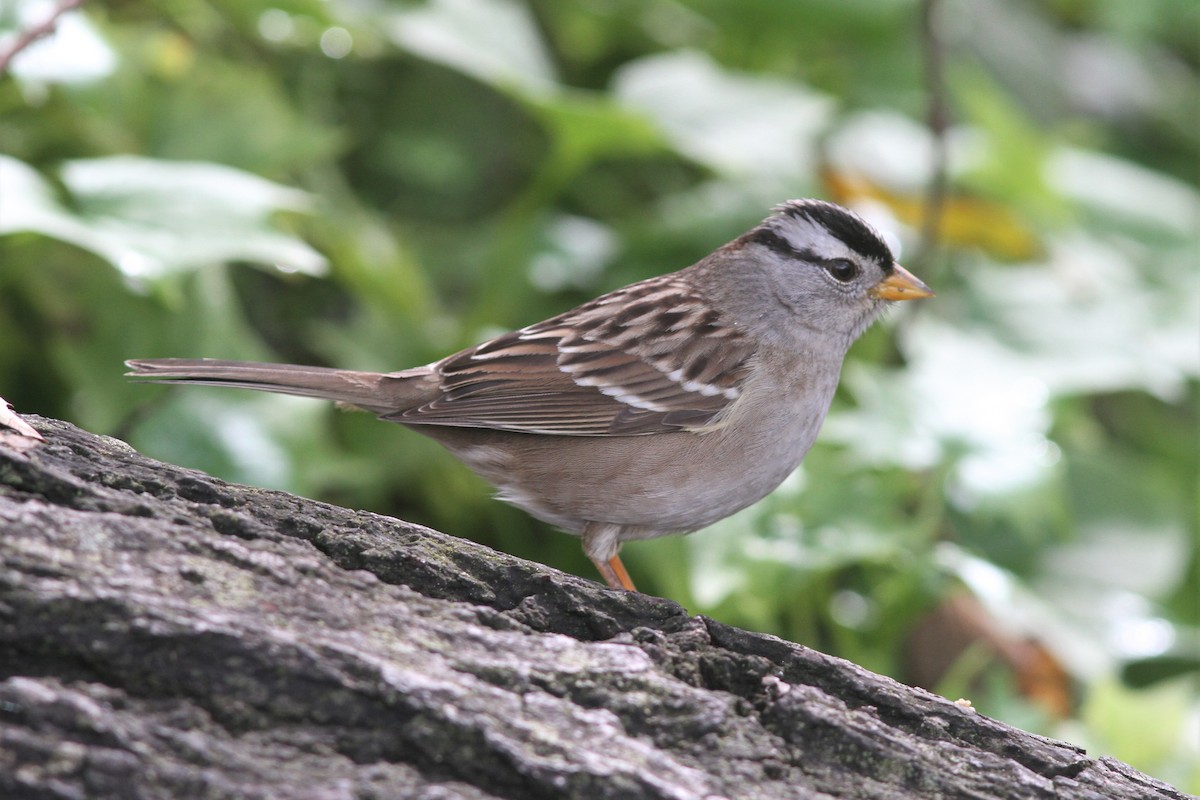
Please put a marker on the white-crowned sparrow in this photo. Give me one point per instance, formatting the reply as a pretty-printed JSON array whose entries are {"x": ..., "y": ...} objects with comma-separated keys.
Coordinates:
[{"x": 658, "y": 408}]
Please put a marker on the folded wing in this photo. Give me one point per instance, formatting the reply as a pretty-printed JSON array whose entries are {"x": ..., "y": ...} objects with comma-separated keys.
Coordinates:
[{"x": 649, "y": 358}]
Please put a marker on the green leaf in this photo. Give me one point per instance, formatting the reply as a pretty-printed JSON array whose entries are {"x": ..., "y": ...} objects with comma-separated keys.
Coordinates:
[
  {"x": 1147, "y": 672},
  {"x": 496, "y": 41},
  {"x": 150, "y": 218},
  {"x": 736, "y": 123}
]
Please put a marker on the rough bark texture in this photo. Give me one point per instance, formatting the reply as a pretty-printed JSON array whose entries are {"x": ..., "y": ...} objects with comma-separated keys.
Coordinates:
[{"x": 166, "y": 634}]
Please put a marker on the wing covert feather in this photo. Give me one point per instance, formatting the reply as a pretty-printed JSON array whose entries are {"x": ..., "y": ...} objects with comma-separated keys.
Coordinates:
[{"x": 650, "y": 358}]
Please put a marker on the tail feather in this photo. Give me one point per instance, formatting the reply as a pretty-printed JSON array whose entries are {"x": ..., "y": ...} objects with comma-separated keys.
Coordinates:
[{"x": 381, "y": 393}]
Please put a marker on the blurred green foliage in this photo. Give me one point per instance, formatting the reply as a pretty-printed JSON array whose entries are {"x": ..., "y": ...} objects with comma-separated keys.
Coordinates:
[{"x": 376, "y": 184}]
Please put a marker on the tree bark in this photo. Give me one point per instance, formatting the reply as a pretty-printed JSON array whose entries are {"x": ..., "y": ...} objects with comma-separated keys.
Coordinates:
[{"x": 167, "y": 634}]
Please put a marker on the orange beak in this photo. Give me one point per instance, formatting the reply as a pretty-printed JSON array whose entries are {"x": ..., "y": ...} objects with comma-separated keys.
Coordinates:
[{"x": 901, "y": 285}]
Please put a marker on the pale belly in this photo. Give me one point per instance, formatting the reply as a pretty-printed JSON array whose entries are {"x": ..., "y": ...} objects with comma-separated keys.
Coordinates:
[{"x": 651, "y": 485}]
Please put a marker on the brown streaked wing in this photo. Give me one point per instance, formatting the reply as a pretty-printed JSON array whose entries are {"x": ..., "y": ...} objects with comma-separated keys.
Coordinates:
[{"x": 649, "y": 358}]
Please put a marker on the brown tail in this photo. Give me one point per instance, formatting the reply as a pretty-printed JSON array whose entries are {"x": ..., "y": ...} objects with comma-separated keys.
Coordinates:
[{"x": 372, "y": 391}]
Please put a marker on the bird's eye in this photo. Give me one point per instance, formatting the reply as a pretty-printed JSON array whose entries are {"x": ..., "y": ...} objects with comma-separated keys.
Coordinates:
[{"x": 842, "y": 269}]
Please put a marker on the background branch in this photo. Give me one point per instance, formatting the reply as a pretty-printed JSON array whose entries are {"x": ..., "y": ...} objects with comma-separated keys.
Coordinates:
[
  {"x": 39, "y": 31},
  {"x": 937, "y": 119}
]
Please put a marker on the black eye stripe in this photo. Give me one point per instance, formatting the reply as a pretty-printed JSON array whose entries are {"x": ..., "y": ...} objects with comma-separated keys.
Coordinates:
[
  {"x": 840, "y": 223},
  {"x": 772, "y": 240}
]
